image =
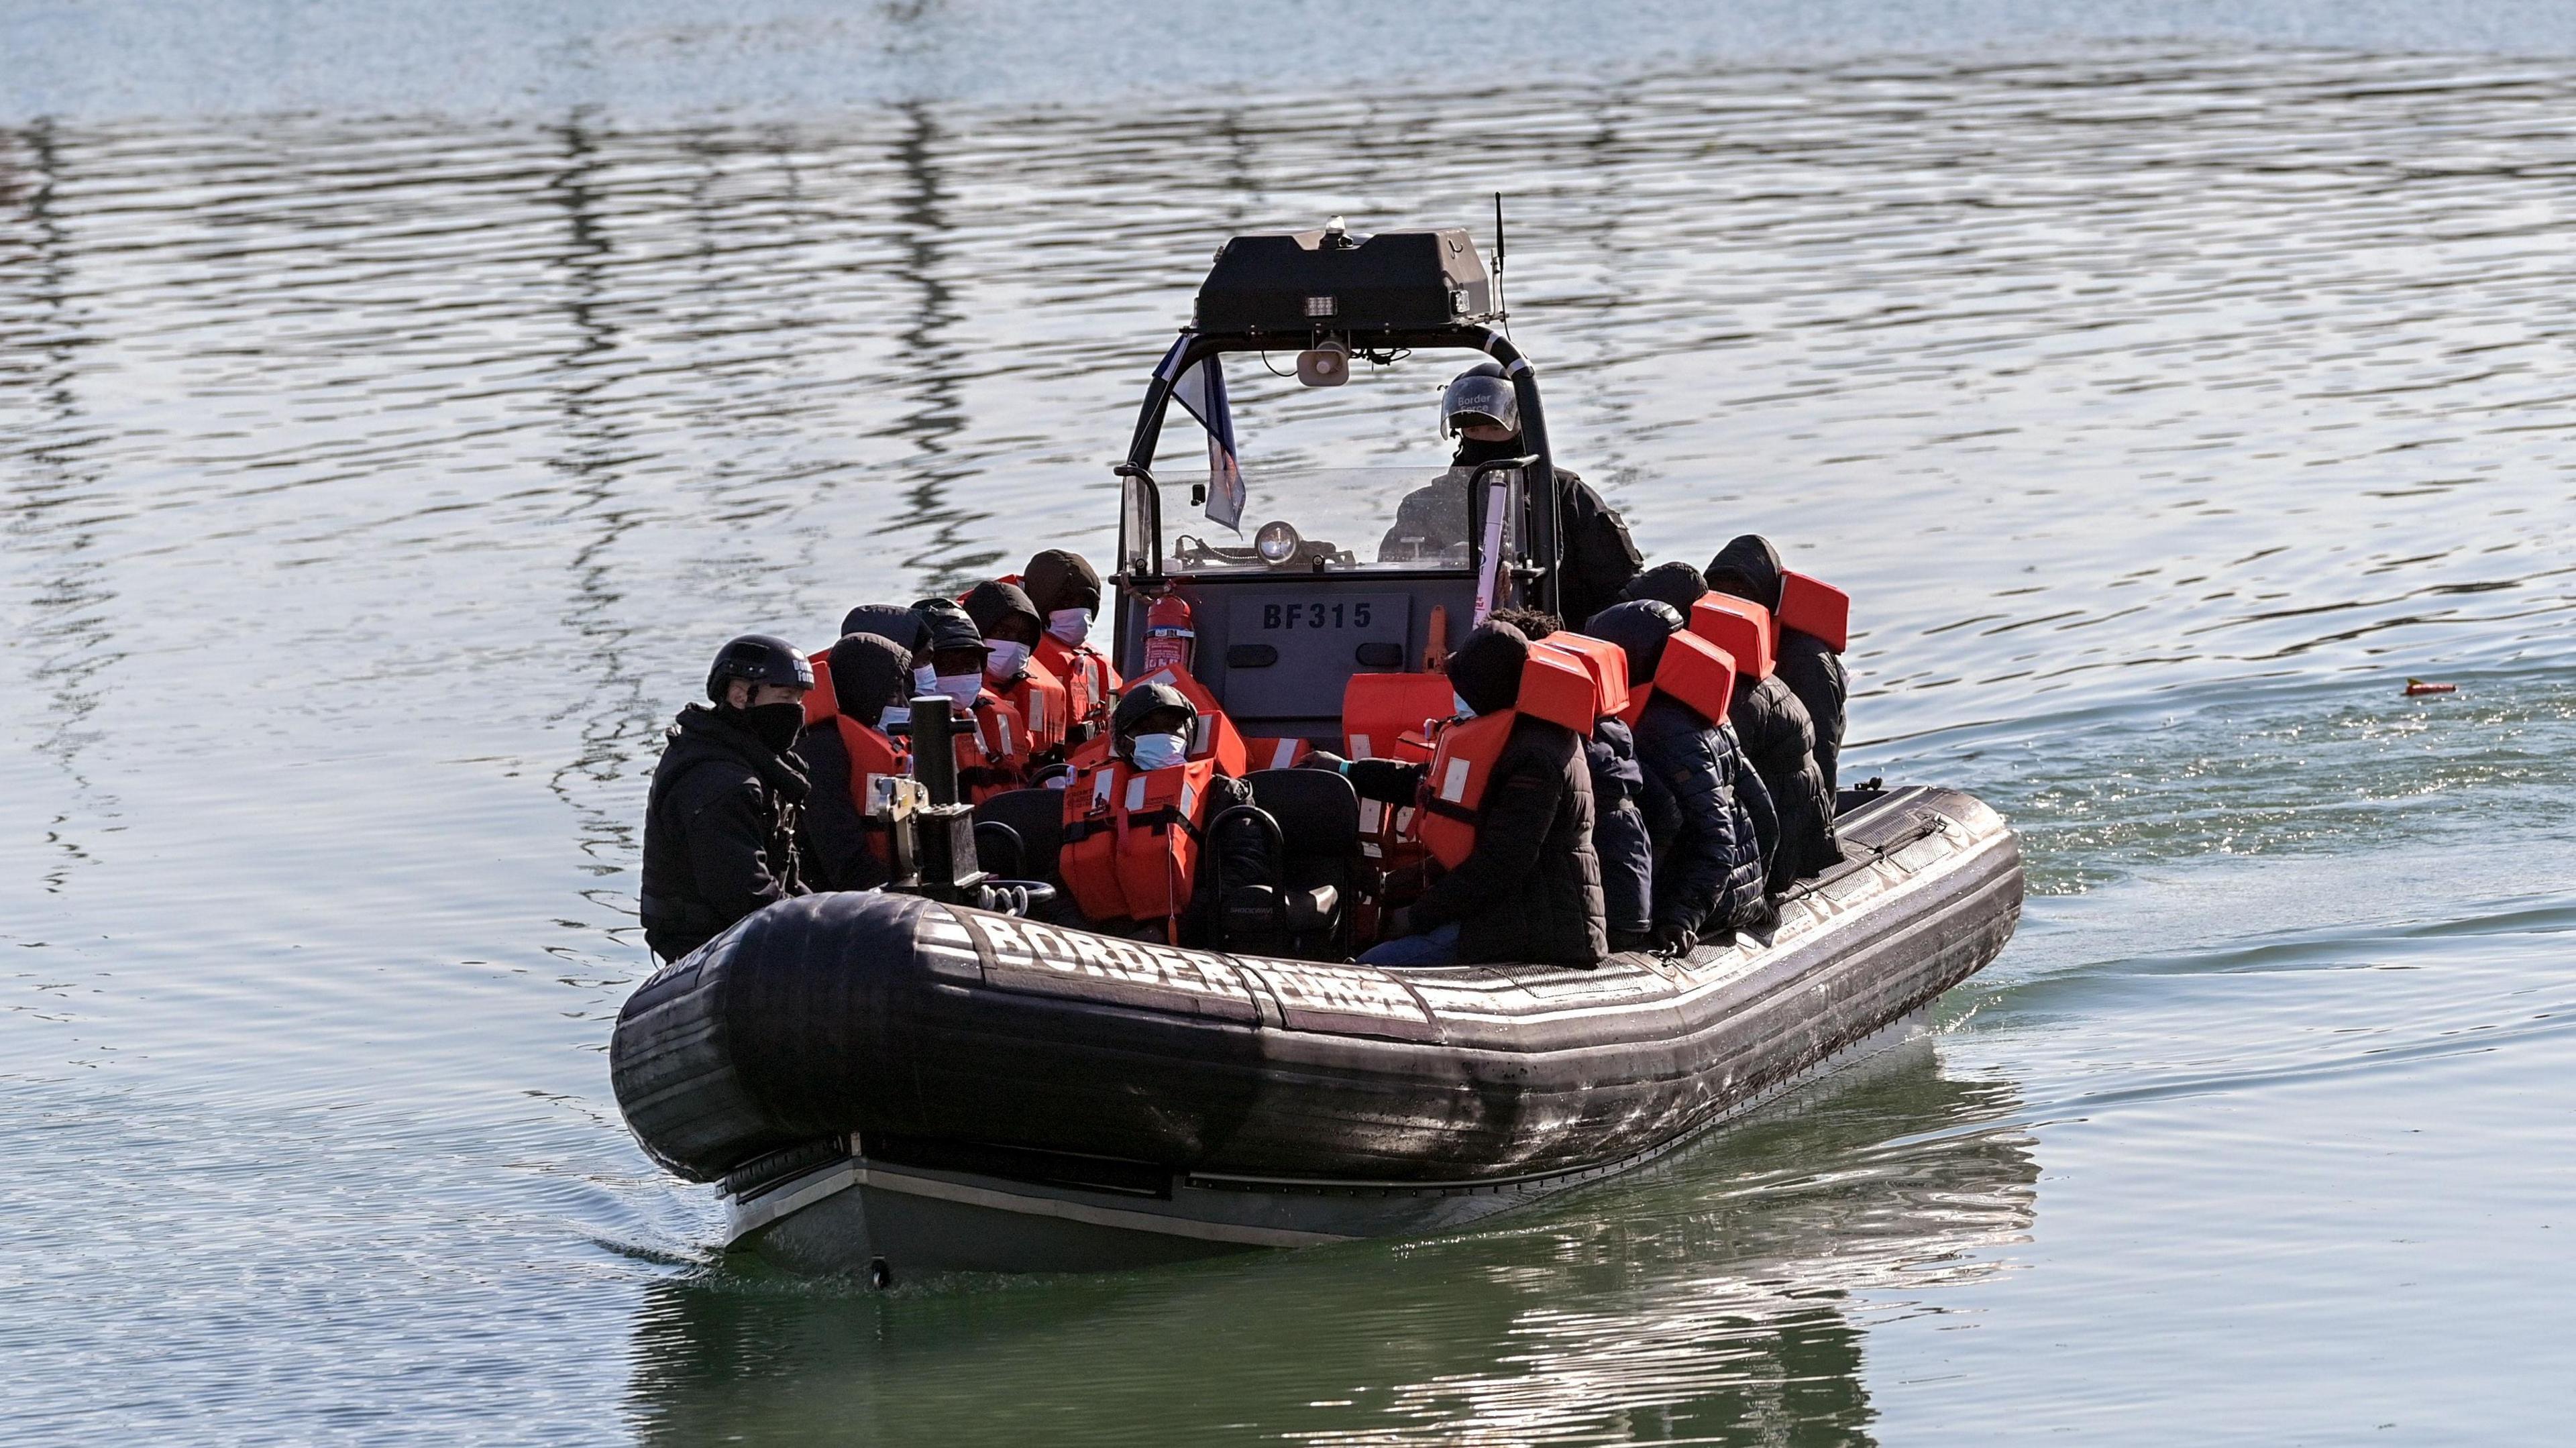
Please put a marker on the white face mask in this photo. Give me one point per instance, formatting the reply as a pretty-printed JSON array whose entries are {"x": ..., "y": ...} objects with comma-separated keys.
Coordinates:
[
  {"x": 1070, "y": 625},
  {"x": 1159, "y": 751},
  {"x": 1003, "y": 663},
  {"x": 923, "y": 680},
  {"x": 894, "y": 714},
  {"x": 1464, "y": 712},
  {"x": 961, "y": 689}
]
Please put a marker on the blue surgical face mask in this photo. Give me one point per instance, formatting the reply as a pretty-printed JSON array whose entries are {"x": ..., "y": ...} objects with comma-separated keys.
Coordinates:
[
  {"x": 1465, "y": 711},
  {"x": 894, "y": 714},
  {"x": 1003, "y": 664},
  {"x": 1160, "y": 751},
  {"x": 962, "y": 689},
  {"x": 1070, "y": 625}
]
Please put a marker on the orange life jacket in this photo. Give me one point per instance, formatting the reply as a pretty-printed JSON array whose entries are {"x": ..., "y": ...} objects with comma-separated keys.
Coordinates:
[
  {"x": 1693, "y": 670},
  {"x": 1389, "y": 716},
  {"x": 1039, "y": 697},
  {"x": 1604, "y": 660},
  {"x": 1089, "y": 680},
  {"x": 1131, "y": 838},
  {"x": 1216, "y": 737},
  {"x": 1555, "y": 686},
  {"x": 1741, "y": 627},
  {"x": 992, "y": 759},
  {"x": 1812, "y": 606},
  {"x": 819, "y": 703}
]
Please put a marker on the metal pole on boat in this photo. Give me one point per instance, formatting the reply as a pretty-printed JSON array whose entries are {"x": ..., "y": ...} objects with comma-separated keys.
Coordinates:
[{"x": 934, "y": 748}]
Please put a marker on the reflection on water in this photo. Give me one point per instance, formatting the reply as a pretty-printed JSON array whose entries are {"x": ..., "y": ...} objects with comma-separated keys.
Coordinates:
[
  {"x": 1724, "y": 1298},
  {"x": 378, "y": 479}
]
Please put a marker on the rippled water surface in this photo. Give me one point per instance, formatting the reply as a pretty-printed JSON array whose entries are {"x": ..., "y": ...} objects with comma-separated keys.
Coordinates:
[{"x": 378, "y": 479}]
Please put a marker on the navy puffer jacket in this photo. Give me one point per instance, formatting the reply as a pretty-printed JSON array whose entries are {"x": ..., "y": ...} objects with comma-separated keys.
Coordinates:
[
  {"x": 1714, "y": 827},
  {"x": 1619, "y": 833}
]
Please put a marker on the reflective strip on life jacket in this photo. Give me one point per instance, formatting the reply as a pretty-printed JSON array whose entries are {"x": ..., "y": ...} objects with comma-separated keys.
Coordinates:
[
  {"x": 1279, "y": 753},
  {"x": 1817, "y": 608},
  {"x": 1740, "y": 626}
]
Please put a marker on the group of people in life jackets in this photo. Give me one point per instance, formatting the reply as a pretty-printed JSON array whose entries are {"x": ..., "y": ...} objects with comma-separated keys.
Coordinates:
[{"x": 1650, "y": 780}]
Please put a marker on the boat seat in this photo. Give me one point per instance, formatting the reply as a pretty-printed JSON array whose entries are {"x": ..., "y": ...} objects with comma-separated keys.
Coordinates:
[
  {"x": 1319, "y": 867},
  {"x": 1035, "y": 817}
]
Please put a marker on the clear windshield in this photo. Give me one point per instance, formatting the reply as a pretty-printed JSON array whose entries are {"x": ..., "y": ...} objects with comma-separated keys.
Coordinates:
[{"x": 1343, "y": 519}]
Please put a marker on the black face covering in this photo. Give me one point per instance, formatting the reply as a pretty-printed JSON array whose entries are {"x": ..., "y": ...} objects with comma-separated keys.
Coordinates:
[
  {"x": 774, "y": 724},
  {"x": 1471, "y": 452}
]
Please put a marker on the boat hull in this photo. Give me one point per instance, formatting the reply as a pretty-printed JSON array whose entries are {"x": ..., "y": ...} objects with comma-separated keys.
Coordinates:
[{"x": 884, "y": 1081}]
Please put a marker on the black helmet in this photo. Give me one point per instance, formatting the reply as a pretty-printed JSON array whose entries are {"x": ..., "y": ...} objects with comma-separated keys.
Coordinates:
[
  {"x": 1481, "y": 395},
  {"x": 762, "y": 659},
  {"x": 1143, "y": 702}
]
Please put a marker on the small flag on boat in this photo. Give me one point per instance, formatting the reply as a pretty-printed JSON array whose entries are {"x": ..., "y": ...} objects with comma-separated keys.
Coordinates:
[
  {"x": 2418, "y": 688},
  {"x": 1202, "y": 391}
]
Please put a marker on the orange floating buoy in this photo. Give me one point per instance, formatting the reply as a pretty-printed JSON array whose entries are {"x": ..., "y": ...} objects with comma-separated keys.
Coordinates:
[{"x": 2417, "y": 688}]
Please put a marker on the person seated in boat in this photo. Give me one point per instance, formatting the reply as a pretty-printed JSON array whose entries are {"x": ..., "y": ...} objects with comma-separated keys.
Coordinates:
[
  {"x": 720, "y": 821},
  {"x": 845, "y": 753},
  {"x": 1136, "y": 817},
  {"x": 1710, "y": 818},
  {"x": 1749, "y": 568},
  {"x": 1529, "y": 886},
  {"x": 1675, "y": 583},
  {"x": 1063, "y": 586},
  {"x": 1482, "y": 411},
  {"x": 990, "y": 757},
  {"x": 1619, "y": 835},
  {"x": 897, "y": 622},
  {"x": 1011, "y": 627}
]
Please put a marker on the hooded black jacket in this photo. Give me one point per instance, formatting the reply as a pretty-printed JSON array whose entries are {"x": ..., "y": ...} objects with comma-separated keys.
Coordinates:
[
  {"x": 1619, "y": 835},
  {"x": 1531, "y": 888},
  {"x": 869, "y": 672},
  {"x": 1749, "y": 567},
  {"x": 719, "y": 831},
  {"x": 1772, "y": 726},
  {"x": 1713, "y": 825}
]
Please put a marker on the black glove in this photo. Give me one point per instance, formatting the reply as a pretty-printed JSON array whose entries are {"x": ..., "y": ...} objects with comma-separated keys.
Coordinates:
[
  {"x": 1388, "y": 781},
  {"x": 1673, "y": 939}
]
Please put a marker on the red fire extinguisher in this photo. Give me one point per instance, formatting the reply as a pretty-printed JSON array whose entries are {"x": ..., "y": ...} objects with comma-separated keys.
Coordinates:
[{"x": 1170, "y": 640}]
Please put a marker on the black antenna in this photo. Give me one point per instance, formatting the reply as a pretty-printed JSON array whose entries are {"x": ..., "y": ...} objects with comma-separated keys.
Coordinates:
[{"x": 1501, "y": 305}]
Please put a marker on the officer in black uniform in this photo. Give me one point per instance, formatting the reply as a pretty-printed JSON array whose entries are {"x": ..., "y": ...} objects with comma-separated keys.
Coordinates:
[
  {"x": 1484, "y": 413},
  {"x": 720, "y": 823}
]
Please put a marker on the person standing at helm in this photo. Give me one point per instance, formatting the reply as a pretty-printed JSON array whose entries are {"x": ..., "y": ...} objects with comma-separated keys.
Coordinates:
[
  {"x": 1530, "y": 886},
  {"x": 1749, "y": 568},
  {"x": 1483, "y": 412},
  {"x": 1712, "y": 822},
  {"x": 843, "y": 754},
  {"x": 1012, "y": 628},
  {"x": 1064, "y": 587},
  {"x": 720, "y": 822}
]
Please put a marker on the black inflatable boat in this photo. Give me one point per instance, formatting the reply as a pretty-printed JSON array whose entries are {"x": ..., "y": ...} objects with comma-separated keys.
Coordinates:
[
  {"x": 884, "y": 1083},
  {"x": 896, "y": 1082}
]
